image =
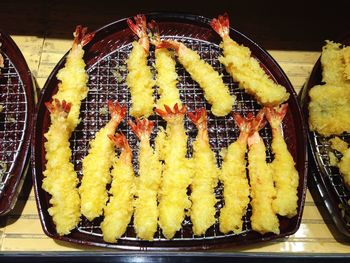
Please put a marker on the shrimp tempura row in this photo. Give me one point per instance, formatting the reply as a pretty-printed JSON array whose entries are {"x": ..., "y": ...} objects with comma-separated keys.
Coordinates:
[
  {"x": 166, "y": 73},
  {"x": 245, "y": 69},
  {"x": 117, "y": 213},
  {"x": 148, "y": 182},
  {"x": 215, "y": 91},
  {"x": 73, "y": 77},
  {"x": 205, "y": 177},
  {"x": 60, "y": 179},
  {"x": 264, "y": 218},
  {"x": 96, "y": 166},
  {"x": 285, "y": 176},
  {"x": 233, "y": 176},
  {"x": 173, "y": 200},
  {"x": 139, "y": 78}
]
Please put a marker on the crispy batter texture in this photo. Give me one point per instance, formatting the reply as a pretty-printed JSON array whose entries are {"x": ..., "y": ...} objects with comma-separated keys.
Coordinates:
[{"x": 329, "y": 109}]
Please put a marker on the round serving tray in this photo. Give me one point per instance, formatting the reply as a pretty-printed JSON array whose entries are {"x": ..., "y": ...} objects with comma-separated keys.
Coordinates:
[{"x": 109, "y": 50}]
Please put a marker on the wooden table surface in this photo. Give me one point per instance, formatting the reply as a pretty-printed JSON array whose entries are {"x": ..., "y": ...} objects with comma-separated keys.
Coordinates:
[{"x": 43, "y": 34}]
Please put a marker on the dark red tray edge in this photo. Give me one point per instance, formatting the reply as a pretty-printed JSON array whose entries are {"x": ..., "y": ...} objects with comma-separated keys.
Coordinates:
[{"x": 8, "y": 201}]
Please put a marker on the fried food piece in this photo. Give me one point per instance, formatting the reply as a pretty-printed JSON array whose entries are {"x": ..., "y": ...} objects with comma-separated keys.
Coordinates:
[
  {"x": 234, "y": 178},
  {"x": 346, "y": 56},
  {"x": 215, "y": 91},
  {"x": 177, "y": 172},
  {"x": 329, "y": 109},
  {"x": 344, "y": 166},
  {"x": 205, "y": 177},
  {"x": 139, "y": 78},
  {"x": 60, "y": 179},
  {"x": 73, "y": 77},
  {"x": 285, "y": 176},
  {"x": 96, "y": 166},
  {"x": 245, "y": 69},
  {"x": 118, "y": 211},
  {"x": 263, "y": 219},
  {"x": 344, "y": 163},
  {"x": 148, "y": 182},
  {"x": 338, "y": 144},
  {"x": 166, "y": 73},
  {"x": 333, "y": 64}
]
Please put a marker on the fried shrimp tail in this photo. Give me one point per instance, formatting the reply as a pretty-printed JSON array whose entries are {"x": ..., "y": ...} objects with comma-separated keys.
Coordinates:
[
  {"x": 215, "y": 91},
  {"x": 166, "y": 73},
  {"x": 148, "y": 182},
  {"x": 139, "y": 78},
  {"x": 234, "y": 178},
  {"x": 263, "y": 219},
  {"x": 245, "y": 69},
  {"x": 205, "y": 177},
  {"x": 285, "y": 176},
  {"x": 119, "y": 210},
  {"x": 60, "y": 179},
  {"x": 96, "y": 166},
  {"x": 177, "y": 172}
]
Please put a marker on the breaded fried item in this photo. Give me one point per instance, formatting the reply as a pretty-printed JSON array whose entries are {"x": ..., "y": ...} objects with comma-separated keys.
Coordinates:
[
  {"x": 215, "y": 90},
  {"x": 344, "y": 163},
  {"x": 177, "y": 172},
  {"x": 284, "y": 173},
  {"x": 96, "y": 166},
  {"x": 234, "y": 178},
  {"x": 165, "y": 65},
  {"x": 60, "y": 179},
  {"x": 263, "y": 192},
  {"x": 346, "y": 56},
  {"x": 338, "y": 144},
  {"x": 329, "y": 109},
  {"x": 147, "y": 183},
  {"x": 205, "y": 177},
  {"x": 118, "y": 211},
  {"x": 245, "y": 69},
  {"x": 139, "y": 78},
  {"x": 333, "y": 64},
  {"x": 344, "y": 166}
]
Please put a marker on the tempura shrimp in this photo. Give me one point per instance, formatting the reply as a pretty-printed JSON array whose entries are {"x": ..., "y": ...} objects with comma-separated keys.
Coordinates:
[
  {"x": 60, "y": 179},
  {"x": 215, "y": 91},
  {"x": 118, "y": 211},
  {"x": 96, "y": 166},
  {"x": 73, "y": 77},
  {"x": 177, "y": 172},
  {"x": 245, "y": 69},
  {"x": 263, "y": 219},
  {"x": 234, "y": 178},
  {"x": 285, "y": 176},
  {"x": 139, "y": 78},
  {"x": 166, "y": 73},
  {"x": 148, "y": 182},
  {"x": 205, "y": 177}
]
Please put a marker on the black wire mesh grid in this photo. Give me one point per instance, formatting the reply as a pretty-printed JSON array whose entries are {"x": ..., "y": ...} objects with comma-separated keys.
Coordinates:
[
  {"x": 107, "y": 82},
  {"x": 13, "y": 119},
  {"x": 333, "y": 175}
]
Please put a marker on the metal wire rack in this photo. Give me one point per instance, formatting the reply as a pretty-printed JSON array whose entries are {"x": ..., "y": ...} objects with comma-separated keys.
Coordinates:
[
  {"x": 107, "y": 82},
  {"x": 334, "y": 178},
  {"x": 13, "y": 118}
]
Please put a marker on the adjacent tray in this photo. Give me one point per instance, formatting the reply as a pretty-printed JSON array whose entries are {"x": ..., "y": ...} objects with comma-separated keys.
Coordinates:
[
  {"x": 104, "y": 54},
  {"x": 16, "y": 118},
  {"x": 328, "y": 179}
]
